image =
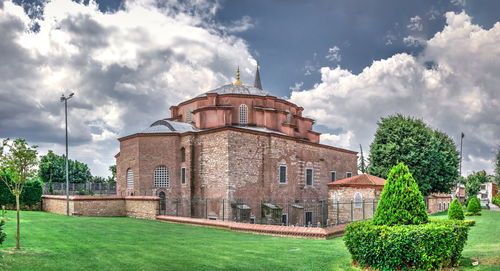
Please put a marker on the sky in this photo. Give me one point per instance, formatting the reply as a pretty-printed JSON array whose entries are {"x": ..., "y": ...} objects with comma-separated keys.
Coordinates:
[{"x": 348, "y": 63}]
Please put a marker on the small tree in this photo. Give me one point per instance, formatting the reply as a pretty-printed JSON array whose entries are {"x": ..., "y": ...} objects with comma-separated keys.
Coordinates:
[
  {"x": 473, "y": 183},
  {"x": 456, "y": 211},
  {"x": 474, "y": 206},
  {"x": 17, "y": 165},
  {"x": 401, "y": 202}
]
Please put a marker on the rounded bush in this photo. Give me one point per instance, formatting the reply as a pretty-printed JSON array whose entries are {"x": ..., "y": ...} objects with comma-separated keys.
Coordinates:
[
  {"x": 401, "y": 202},
  {"x": 456, "y": 211},
  {"x": 2, "y": 234},
  {"x": 434, "y": 245},
  {"x": 474, "y": 206},
  {"x": 496, "y": 200}
]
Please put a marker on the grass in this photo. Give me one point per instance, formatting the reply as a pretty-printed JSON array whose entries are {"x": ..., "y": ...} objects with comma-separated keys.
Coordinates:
[{"x": 56, "y": 242}]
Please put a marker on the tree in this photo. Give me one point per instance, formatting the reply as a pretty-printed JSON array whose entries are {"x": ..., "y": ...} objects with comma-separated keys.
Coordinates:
[
  {"x": 474, "y": 206},
  {"x": 112, "y": 179},
  {"x": 497, "y": 167},
  {"x": 362, "y": 164},
  {"x": 431, "y": 155},
  {"x": 456, "y": 210},
  {"x": 18, "y": 163},
  {"x": 473, "y": 183},
  {"x": 53, "y": 169},
  {"x": 401, "y": 202}
]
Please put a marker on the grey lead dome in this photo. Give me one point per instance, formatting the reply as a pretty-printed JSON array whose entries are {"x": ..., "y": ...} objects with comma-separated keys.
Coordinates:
[{"x": 235, "y": 89}]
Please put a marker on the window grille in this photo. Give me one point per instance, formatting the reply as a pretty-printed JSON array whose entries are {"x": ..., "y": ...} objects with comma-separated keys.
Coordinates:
[
  {"x": 130, "y": 178},
  {"x": 189, "y": 116},
  {"x": 309, "y": 176},
  {"x": 161, "y": 177},
  {"x": 243, "y": 114},
  {"x": 282, "y": 174}
]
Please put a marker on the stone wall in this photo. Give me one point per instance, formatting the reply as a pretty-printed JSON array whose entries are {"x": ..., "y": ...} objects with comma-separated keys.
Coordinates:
[
  {"x": 342, "y": 207},
  {"x": 438, "y": 203},
  {"x": 103, "y": 206}
]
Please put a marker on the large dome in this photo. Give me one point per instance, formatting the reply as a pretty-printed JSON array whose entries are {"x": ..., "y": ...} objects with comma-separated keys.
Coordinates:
[{"x": 237, "y": 89}]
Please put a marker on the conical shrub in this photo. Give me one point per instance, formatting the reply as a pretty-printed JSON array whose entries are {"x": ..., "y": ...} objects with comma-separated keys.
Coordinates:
[
  {"x": 474, "y": 206},
  {"x": 456, "y": 211},
  {"x": 401, "y": 202}
]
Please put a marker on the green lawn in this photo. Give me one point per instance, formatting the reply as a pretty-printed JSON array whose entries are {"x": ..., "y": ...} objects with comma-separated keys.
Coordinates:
[{"x": 56, "y": 242}]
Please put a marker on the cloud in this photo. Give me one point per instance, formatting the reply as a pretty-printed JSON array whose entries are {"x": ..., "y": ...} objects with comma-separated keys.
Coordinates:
[
  {"x": 415, "y": 24},
  {"x": 460, "y": 3},
  {"x": 452, "y": 85},
  {"x": 296, "y": 86},
  {"x": 414, "y": 41},
  {"x": 343, "y": 140},
  {"x": 334, "y": 54},
  {"x": 126, "y": 67}
]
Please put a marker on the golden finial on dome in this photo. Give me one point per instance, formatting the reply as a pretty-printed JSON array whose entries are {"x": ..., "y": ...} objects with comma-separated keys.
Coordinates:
[{"x": 238, "y": 82}]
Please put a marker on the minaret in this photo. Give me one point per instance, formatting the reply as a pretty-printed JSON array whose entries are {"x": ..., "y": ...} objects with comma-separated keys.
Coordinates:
[
  {"x": 257, "y": 82},
  {"x": 238, "y": 82}
]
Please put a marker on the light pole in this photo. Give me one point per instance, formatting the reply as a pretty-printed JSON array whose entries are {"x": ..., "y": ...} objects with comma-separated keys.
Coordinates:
[{"x": 65, "y": 100}]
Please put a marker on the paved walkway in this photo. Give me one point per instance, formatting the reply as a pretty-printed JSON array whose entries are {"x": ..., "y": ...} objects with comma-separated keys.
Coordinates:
[
  {"x": 287, "y": 231},
  {"x": 493, "y": 207}
]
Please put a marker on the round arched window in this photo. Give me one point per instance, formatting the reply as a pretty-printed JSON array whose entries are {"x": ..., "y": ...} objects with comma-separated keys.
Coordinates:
[
  {"x": 358, "y": 200},
  {"x": 161, "y": 178},
  {"x": 130, "y": 178}
]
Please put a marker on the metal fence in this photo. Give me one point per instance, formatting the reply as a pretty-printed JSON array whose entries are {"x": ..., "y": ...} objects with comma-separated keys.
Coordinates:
[
  {"x": 309, "y": 213},
  {"x": 87, "y": 188}
]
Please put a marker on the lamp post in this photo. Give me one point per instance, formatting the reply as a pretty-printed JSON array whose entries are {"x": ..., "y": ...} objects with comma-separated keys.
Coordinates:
[{"x": 65, "y": 100}]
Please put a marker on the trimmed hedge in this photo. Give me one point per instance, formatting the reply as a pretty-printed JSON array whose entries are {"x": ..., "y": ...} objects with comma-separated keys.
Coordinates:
[
  {"x": 474, "y": 207},
  {"x": 469, "y": 222},
  {"x": 434, "y": 245},
  {"x": 401, "y": 202},
  {"x": 32, "y": 194},
  {"x": 456, "y": 210}
]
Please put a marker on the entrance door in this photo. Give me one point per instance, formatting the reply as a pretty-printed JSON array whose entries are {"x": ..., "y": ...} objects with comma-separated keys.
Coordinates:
[
  {"x": 163, "y": 203},
  {"x": 309, "y": 218}
]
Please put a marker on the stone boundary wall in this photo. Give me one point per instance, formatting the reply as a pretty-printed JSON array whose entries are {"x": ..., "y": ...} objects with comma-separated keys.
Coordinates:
[
  {"x": 286, "y": 231},
  {"x": 145, "y": 207}
]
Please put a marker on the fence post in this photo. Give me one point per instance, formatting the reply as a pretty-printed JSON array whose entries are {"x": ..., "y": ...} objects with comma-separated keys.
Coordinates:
[
  {"x": 352, "y": 211},
  {"x": 223, "y": 209},
  {"x": 322, "y": 212},
  {"x": 363, "y": 209},
  {"x": 373, "y": 208},
  {"x": 177, "y": 207},
  {"x": 337, "y": 222},
  {"x": 206, "y": 208}
]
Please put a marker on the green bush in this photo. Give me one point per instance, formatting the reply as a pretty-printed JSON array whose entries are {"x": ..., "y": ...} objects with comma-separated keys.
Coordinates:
[
  {"x": 401, "y": 202},
  {"x": 470, "y": 223},
  {"x": 436, "y": 244},
  {"x": 2, "y": 234},
  {"x": 474, "y": 206},
  {"x": 32, "y": 194},
  {"x": 496, "y": 200},
  {"x": 456, "y": 211}
]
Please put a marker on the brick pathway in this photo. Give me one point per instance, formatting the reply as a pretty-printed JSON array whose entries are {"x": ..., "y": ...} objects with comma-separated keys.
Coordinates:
[{"x": 287, "y": 231}]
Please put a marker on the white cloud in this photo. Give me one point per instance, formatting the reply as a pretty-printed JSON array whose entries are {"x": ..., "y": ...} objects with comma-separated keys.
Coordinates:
[
  {"x": 296, "y": 86},
  {"x": 334, "y": 54},
  {"x": 460, "y": 3},
  {"x": 343, "y": 140},
  {"x": 460, "y": 93},
  {"x": 126, "y": 67},
  {"x": 414, "y": 41},
  {"x": 415, "y": 24}
]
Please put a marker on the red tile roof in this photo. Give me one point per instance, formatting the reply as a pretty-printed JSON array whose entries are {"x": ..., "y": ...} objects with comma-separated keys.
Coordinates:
[{"x": 359, "y": 180}]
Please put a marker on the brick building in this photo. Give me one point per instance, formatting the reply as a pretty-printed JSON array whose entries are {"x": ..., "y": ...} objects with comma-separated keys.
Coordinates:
[{"x": 239, "y": 150}]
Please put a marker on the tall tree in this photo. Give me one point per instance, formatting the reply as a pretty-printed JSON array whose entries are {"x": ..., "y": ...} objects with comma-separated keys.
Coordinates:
[
  {"x": 112, "y": 179},
  {"x": 473, "y": 183},
  {"x": 362, "y": 164},
  {"x": 53, "y": 169},
  {"x": 497, "y": 167},
  {"x": 431, "y": 155},
  {"x": 18, "y": 163}
]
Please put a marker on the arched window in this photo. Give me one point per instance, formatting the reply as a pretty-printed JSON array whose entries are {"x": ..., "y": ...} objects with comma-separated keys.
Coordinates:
[
  {"x": 243, "y": 114},
  {"x": 130, "y": 178},
  {"x": 183, "y": 154},
  {"x": 335, "y": 198},
  {"x": 189, "y": 116},
  {"x": 358, "y": 200},
  {"x": 161, "y": 177}
]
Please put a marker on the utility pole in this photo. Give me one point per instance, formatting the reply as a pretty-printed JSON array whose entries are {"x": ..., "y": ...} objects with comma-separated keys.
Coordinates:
[{"x": 65, "y": 100}]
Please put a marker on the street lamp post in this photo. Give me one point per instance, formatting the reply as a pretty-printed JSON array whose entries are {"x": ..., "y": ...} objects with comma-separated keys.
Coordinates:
[{"x": 65, "y": 100}]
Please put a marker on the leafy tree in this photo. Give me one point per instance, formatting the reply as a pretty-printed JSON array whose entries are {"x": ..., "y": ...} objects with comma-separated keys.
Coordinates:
[
  {"x": 98, "y": 179},
  {"x": 18, "y": 163},
  {"x": 497, "y": 167},
  {"x": 431, "y": 155},
  {"x": 456, "y": 211},
  {"x": 2, "y": 234},
  {"x": 473, "y": 183},
  {"x": 53, "y": 169},
  {"x": 112, "y": 179},
  {"x": 401, "y": 202}
]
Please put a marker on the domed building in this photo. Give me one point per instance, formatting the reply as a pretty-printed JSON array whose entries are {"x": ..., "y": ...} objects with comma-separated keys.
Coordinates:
[{"x": 230, "y": 151}]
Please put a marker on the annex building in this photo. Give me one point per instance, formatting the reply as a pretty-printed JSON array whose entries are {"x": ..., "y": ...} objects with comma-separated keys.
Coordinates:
[{"x": 230, "y": 151}]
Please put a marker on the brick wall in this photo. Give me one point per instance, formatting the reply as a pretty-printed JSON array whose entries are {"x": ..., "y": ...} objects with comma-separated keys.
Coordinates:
[
  {"x": 94, "y": 206},
  {"x": 438, "y": 203}
]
